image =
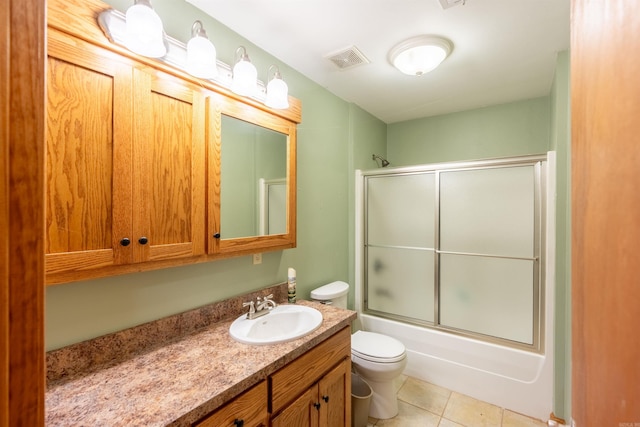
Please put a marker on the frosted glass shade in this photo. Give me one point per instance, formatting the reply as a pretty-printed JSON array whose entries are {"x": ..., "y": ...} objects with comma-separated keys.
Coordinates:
[
  {"x": 144, "y": 32},
  {"x": 245, "y": 78},
  {"x": 419, "y": 55},
  {"x": 277, "y": 94},
  {"x": 201, "y": 58}
]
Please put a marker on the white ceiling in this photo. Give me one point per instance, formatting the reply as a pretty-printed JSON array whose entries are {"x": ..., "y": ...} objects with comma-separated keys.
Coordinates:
[{"x": 504, "y": 50}]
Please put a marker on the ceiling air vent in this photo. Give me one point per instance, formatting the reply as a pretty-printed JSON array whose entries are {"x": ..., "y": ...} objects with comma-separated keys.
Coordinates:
[
  {"x": 348, "y": 58},
  {"x": 446, "y": 4}
]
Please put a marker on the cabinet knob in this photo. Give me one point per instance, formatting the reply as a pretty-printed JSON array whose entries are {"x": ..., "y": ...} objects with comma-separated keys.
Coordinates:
[
  {"x": 143, "y": 240},
  {"x": 217, "y": 235},
  {"x": 125, "y": 241},
  {"x": 325, "y": 398},
  {"x": 238, "y": 423},
  {"x": 317, "y": 405}
]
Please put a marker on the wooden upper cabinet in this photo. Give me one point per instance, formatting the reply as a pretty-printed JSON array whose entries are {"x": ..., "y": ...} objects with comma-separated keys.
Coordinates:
[
  {"x": 125, "y": 162},
  {"x": 149, "y": 167}
]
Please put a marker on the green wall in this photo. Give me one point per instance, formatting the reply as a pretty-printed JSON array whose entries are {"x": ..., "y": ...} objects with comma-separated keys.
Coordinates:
[
  {"x": 561, "y": 143},
  {"x": 512, "y": 129},
  {"x": 330, "y": 130}
]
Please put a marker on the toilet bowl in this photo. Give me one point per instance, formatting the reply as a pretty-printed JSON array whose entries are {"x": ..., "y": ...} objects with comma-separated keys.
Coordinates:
[{"x": 377, "y": 358}]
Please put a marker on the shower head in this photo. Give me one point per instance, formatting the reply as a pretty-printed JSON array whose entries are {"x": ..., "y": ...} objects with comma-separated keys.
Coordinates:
[{"x": 383, "y": 162}]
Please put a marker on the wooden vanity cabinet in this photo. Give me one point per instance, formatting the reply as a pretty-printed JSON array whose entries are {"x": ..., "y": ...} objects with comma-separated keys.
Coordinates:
[
  {"x": 124, "y": 159},
  {"x": 247, "y": 410},
  {"x": 315, "y": 389}
]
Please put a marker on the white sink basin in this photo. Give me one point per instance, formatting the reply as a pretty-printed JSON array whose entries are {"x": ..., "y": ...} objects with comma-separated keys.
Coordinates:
[{"x": 283, "y": 323}]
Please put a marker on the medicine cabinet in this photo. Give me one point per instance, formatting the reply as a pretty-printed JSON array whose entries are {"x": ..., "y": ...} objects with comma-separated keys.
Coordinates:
[{"x": 252, "y": 151}]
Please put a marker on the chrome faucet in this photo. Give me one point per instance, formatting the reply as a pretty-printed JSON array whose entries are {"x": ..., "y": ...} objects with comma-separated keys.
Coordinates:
[
  {"x": 261, "y": 307},
  {"x": 266, "y": 304}
]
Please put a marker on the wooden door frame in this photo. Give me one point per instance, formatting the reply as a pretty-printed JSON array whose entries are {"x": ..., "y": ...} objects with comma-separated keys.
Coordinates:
[
  {"x": 22, "y": 357},
  {"x": 605, "y": 39}
]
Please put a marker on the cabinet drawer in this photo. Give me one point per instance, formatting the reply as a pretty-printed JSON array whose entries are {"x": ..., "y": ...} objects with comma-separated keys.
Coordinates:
[
  {"x": 250, "y": 408},
  {"x": 292, "y": 380}
]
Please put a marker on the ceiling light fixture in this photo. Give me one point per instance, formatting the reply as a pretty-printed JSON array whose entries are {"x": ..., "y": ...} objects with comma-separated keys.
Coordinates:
[
  {"x": 419, "y": 55},
  {"x": 245, "y": 75},
  {"x": 144, "y": 31},
  {"x": 201, "y": 54},
  {"x": 277, "y": 90}
]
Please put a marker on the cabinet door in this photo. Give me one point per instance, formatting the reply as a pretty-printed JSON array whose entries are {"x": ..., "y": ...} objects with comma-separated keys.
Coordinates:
[
  {"x": 88, "y": 138},
  {"x": 335, "y": 396},
  {"x": 168, "y": 168},
  {"x": 303, "y": 412},
  {"x": 247, "y": 410}
]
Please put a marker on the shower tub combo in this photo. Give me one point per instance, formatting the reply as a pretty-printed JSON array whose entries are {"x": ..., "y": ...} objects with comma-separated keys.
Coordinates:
[{"x": 481, "y": 323}]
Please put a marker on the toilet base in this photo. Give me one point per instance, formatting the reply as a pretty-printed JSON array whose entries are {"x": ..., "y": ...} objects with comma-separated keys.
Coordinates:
[{"x": 384, "y": 400}]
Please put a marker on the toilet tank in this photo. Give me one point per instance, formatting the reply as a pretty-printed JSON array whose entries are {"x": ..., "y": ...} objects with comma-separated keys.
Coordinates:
[{"x": 334, "y": 293}]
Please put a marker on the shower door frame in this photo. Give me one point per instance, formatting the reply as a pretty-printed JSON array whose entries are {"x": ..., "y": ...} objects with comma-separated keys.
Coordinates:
[{"x": 540, "y": 164}]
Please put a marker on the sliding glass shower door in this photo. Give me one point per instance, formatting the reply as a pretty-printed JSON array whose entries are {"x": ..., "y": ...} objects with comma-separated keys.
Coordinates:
[
  {"x": 400, "y": 245},
  {"x": 457, "y": 248}
]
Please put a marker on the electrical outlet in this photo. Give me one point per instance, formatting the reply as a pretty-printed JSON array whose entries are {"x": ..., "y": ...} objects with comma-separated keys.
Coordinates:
[{"x": 257, "y": 259}]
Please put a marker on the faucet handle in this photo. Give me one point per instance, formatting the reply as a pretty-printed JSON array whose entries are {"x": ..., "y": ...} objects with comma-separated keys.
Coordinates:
[{"x": 252, "y": 307}]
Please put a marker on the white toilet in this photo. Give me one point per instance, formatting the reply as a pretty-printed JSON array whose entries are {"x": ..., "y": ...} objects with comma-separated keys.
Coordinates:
[{"x": 377, "y": 358}]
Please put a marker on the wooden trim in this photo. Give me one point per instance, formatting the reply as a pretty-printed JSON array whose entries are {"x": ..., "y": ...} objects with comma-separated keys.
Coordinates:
[
  {"x": 22, "y": 145},
  {"x": 5, "y": 120},
  {"x": 59, "y": 277},
  {"x": 552, "y": 417}
]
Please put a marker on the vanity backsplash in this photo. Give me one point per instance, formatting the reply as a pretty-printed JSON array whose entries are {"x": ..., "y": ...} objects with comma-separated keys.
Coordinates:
[{"x": 76, "y": 360}]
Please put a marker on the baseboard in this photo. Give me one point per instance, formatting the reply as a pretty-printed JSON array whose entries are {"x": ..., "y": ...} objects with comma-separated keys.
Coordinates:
[{"x": 560, "y": 421}]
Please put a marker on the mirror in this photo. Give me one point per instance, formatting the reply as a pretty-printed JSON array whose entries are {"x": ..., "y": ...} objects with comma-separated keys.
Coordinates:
[
  {"x": 252, "y": 172},
  {"x": 253, "y": 180}
]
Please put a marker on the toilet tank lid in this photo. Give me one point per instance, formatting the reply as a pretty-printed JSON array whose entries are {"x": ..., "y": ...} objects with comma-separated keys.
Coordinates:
[{"x": 330, "y": 291}]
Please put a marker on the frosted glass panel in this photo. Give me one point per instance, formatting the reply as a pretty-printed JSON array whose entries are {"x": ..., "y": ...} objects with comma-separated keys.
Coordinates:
[
  {"x": 488, "y": 211},
  {"x": 400, "y": 281},
  {"x": 401, "y": 210},
  {"x": 492, "y": 296}
]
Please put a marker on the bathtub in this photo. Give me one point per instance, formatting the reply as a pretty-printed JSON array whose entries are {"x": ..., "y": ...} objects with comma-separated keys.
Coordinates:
[
  {"x": 514, "y": 379},
  {"x": 518, "y": 380}
]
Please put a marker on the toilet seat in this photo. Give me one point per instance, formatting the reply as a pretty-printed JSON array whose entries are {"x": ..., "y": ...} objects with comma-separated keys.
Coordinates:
[{"x": 376, "y": 347}]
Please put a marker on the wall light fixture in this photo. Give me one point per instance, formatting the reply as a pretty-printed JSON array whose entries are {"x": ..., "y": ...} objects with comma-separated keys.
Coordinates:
[
  {"x": 419, "y": 55},
  {"x": 114, "y": 25},
  {"x": 277, "y": 90},
  {"x": 245, "y": 74}
]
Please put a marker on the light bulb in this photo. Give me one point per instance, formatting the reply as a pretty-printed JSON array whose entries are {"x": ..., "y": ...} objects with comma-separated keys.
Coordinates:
[
  {"x": 144, "y": 31},
  {"x": 201, "y": 54},
  {"x": 277, "y": 94}
]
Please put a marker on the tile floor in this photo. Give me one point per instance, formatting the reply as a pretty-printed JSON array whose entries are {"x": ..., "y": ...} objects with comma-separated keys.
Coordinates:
[{"x": 422, "y": 404}]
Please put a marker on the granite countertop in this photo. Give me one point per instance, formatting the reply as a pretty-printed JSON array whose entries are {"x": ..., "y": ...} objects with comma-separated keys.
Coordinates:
[{"x": 173, "y": 383}]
